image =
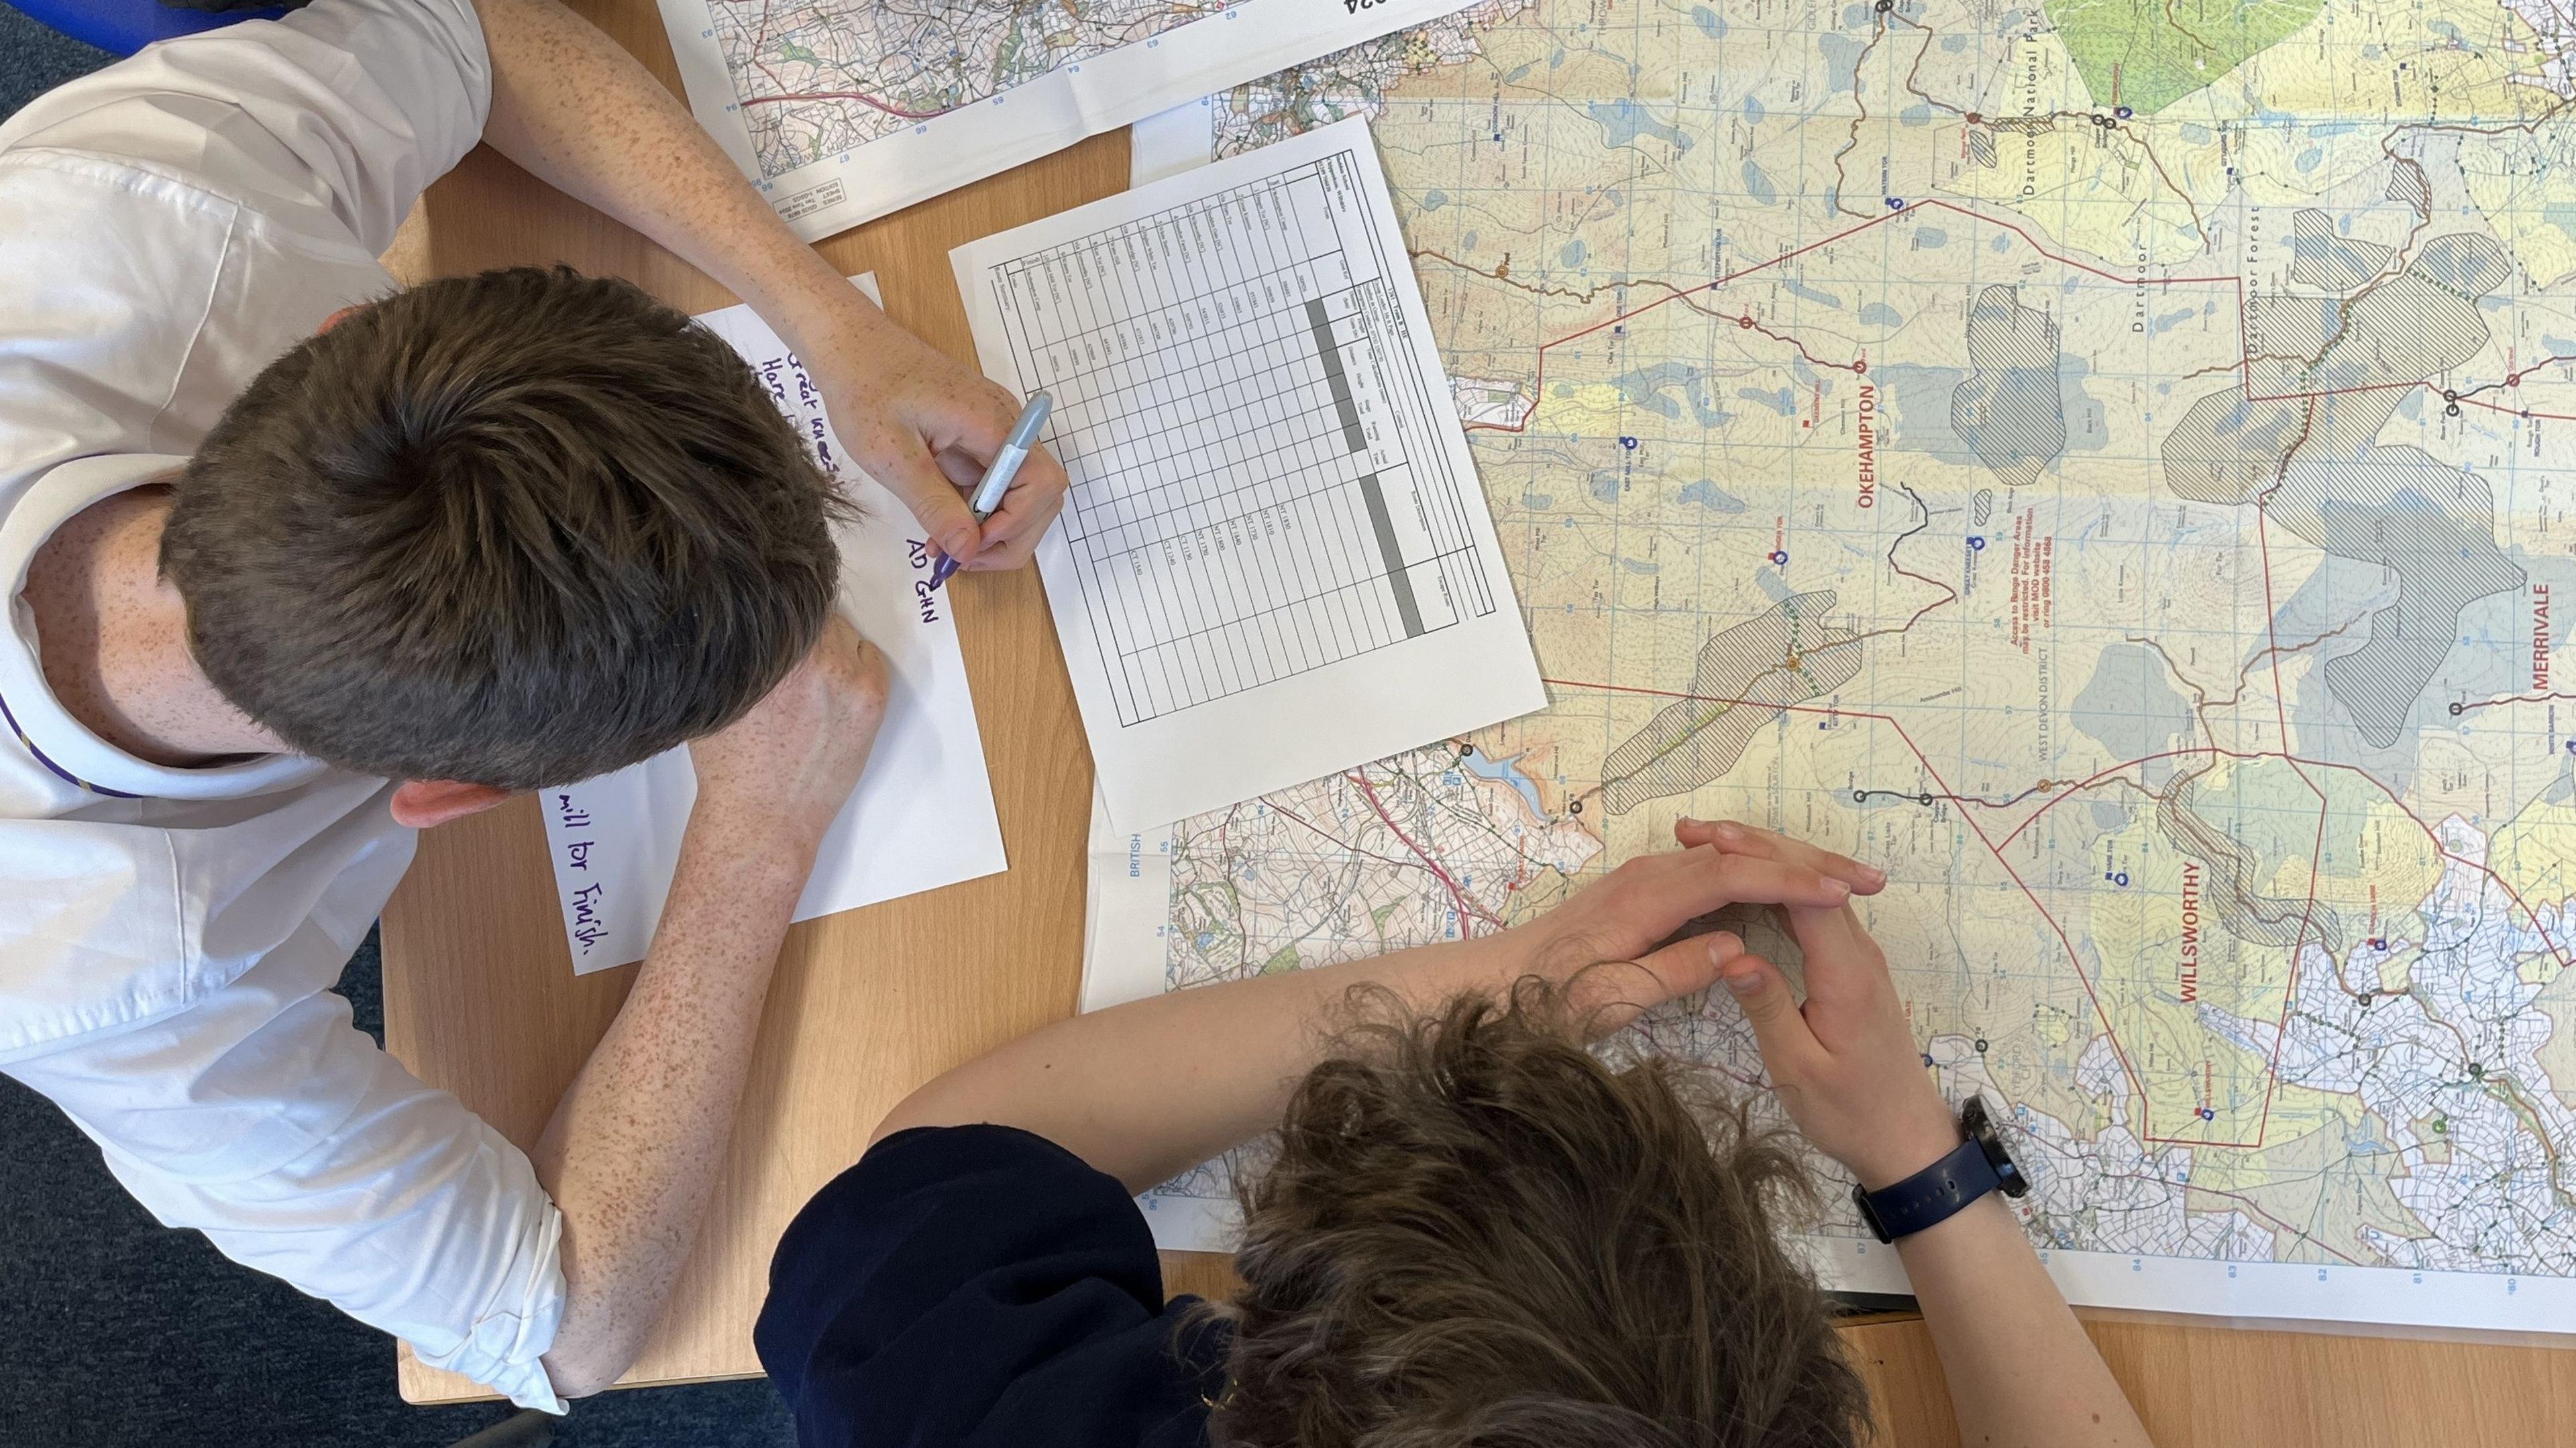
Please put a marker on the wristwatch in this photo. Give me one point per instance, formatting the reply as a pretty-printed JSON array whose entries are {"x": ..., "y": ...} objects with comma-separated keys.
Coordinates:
[{"x": 1933, "y": 1195}]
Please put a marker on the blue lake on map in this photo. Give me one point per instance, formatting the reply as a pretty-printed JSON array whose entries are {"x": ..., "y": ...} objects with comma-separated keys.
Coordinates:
[{"x": 1505, "y": 771}]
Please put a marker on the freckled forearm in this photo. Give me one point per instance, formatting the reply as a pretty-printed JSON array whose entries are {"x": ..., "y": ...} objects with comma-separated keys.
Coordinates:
[
  {"x": 632, "y": 1152},
  {"x": 578, "y": 112}
]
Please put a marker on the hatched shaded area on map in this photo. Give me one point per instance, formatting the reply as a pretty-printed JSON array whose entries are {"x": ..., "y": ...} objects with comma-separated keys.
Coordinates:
[
  {"x": 1786, "y": 655},
  {"x": 2305, "y": 445}
]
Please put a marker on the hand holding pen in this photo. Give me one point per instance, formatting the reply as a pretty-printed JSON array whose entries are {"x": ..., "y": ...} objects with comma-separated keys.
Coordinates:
[{"x": 997, "y": 478}]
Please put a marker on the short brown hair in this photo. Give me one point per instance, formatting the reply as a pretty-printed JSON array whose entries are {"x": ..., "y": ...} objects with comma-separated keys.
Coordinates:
[
  {"x": 514, "y": 529},
  {"x": 1477, "y": 1233}
]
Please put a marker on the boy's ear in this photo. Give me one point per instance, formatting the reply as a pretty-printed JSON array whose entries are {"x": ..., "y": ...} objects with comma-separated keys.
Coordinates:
[{"x": 421, "y": 803}]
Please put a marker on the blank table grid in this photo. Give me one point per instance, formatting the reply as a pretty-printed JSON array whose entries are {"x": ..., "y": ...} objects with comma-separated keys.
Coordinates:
[{"x": 1253, "y": 495}]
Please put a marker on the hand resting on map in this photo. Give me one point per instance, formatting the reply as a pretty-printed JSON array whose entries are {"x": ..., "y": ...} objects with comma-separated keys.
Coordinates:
[
  {"x": 1845, "y": 1064},
  {"x": 1643, "y": 934},
  {"x": 1843, "y": 1060}
]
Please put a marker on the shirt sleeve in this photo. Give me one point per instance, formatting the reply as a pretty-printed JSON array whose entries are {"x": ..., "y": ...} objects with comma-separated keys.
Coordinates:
[
  {"x": 261, "y": 1117},
  {"x": 333, "y": 119},
  {"x": 979, "y": 1285}
]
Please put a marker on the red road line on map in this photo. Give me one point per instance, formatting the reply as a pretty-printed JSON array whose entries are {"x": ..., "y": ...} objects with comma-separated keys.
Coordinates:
[
  {"x": 1457, "y": 896},
  {"x": 1747, "y": 323},
  {"x": 2245, "y": 365},
  {"x": 760, "y": 41},
  {"x": 2091, "y": 780},
  {"x": 2466, "y": 705},
  {"x": 2302, "y": 1233},
  {"x": 1996, "y": 848},
  {"x": 760, "y": 37},
  {"x": 1272, "y": 802},
  {"x": 1904, "y": 572},
  {"x": 858, "y": 96}
]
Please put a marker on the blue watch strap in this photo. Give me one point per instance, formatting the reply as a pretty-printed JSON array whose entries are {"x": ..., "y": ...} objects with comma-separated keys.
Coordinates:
[{"x": 1930, "y": 1196}]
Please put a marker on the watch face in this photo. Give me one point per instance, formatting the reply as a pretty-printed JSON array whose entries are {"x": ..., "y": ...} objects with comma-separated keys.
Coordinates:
[
  {"x": 1869, "y": 1214},
  {"x": 1980, "y": 1129}
]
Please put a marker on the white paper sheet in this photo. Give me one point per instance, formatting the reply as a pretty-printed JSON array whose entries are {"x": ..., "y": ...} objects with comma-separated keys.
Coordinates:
[
  {"x": 841, "y": 111},
  {"x": 1277, "y": 561},
  {"x": 922, "y": 816},
  {"x": 1168, "y": 143},
  {"x": 1127, "y": 900}
]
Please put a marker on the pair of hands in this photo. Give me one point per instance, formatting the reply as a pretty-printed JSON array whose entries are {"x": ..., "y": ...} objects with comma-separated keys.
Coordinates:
[{"x": 1844, "y": 1062}]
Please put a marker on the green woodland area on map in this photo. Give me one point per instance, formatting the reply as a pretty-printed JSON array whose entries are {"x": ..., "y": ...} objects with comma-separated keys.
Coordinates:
[{"x": 2147, "y": 54}]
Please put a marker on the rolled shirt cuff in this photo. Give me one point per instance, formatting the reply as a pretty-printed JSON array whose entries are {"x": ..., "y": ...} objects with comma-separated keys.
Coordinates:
[{"x": 506, "y": 1348}]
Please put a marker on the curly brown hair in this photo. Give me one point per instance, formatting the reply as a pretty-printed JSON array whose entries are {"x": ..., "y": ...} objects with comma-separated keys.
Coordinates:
[{"x": 1477, "y": 1234}]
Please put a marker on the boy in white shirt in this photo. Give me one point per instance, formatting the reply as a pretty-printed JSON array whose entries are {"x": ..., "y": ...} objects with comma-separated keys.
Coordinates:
[{"x": 485, "y": 535}]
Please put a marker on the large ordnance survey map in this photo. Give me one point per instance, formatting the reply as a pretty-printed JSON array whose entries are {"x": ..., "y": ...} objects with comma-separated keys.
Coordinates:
[{"x": 2106, "y": 463}]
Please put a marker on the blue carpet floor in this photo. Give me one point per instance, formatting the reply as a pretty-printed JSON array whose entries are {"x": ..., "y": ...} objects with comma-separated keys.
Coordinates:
[
  {"x": 115, "y": 1331},
  {"x": 34, "y": 59}
]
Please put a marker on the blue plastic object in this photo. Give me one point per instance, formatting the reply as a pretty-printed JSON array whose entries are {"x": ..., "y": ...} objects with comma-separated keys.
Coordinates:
[{"x": 122, "y": 27}]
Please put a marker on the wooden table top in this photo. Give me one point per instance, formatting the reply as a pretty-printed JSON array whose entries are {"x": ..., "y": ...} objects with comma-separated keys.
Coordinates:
[{"x": 480, "y": 997}]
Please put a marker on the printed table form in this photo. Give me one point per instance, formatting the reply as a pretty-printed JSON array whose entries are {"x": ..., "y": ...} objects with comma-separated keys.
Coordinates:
[
  {"x": 1233, "y": 369},
  {"x": 1276, "y": 561}
]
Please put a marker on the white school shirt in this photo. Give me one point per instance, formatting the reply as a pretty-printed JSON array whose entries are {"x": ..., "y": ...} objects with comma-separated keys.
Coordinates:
[{"x": 168, "y": 937}]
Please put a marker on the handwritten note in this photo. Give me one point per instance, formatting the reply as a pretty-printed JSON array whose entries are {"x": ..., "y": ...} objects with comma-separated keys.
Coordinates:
[
  {"x": 922, "y": 817},
  {"x": 574, "y": 835}
]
